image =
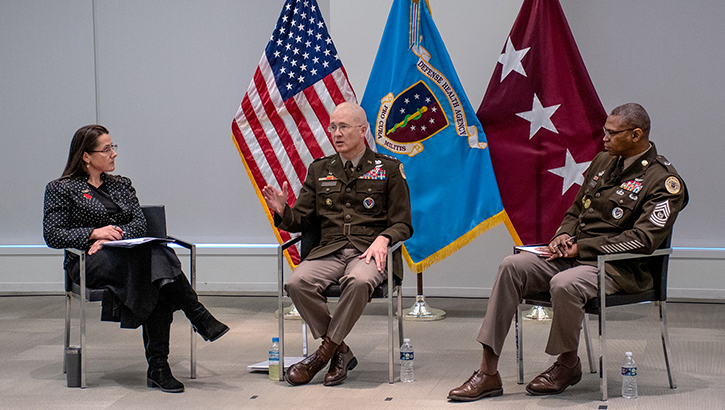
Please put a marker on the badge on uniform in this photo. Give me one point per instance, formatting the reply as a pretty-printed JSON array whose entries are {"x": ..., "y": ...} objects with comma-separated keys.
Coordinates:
[
  {"x": 368, "y": 203},
  {"x": 86, "y": 193},
  {"x": 617, "y": 213},
  {"x": 673, "y": 185},
  {"x": 328, "y": 202},
  {"x": 660, "y": 214},
  {"x": 587, "y": 202}
]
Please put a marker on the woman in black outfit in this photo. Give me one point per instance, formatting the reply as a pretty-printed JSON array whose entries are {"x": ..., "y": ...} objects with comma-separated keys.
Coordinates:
[{"x": 87, "y": 207}]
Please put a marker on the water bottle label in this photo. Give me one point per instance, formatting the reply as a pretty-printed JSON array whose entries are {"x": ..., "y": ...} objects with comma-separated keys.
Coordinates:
[
  {"x": 406, "y": 355},
  {"x": 629, "y": 371}
]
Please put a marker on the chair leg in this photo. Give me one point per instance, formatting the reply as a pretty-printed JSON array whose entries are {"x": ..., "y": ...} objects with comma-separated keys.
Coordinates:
[
  {"x": 391, "y": 337},
  {"x": 666, "y": 342},
  {"x": 66, "y": 336},
  {"x": 192, "y": 338},
  {"x": 304, "y": 339},
  {"x": 82, "y": 304},
  {"x": 400, "y": 315},
  {"x": 588, "y": 342},
  {"x": 519, "y": 344}
]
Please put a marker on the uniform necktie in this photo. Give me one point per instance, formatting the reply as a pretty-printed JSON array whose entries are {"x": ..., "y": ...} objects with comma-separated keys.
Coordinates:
[
  {"x": 618, "y": 168},
  {"x": 348, "y": 169}
]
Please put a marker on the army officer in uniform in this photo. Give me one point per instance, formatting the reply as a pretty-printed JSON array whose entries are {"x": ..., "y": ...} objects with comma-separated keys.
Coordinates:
[
  {"x": 628, "y": 203},
  {"x": 361, "y": 200}
]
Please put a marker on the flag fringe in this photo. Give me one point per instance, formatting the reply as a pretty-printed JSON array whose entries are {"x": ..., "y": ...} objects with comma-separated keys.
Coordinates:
[
  {"x": 260, "y": 197},
  {"x": 512, "y": 230},
  {"x": 454, "y": 246}
]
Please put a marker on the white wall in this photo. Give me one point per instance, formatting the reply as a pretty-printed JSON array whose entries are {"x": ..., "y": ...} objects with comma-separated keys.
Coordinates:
[{"x": 166, "y": 77}]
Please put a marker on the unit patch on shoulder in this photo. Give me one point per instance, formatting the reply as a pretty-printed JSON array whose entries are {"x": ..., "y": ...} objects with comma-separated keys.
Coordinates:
[{"x": 673, "y": 185}]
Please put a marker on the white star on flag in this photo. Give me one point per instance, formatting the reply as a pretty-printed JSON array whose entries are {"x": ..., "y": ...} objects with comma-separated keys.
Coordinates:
[
  {"x": 539, "y": 117},
  {"x": 572, "y": 172},
  {"x": 511, "y": 59}
]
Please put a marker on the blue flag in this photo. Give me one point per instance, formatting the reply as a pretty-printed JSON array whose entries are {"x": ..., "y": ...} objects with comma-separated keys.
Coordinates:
[{"x": 420, "y": 114}]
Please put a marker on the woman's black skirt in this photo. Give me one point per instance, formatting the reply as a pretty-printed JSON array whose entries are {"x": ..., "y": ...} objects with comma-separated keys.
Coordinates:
[{"x": 131, "y": 275}]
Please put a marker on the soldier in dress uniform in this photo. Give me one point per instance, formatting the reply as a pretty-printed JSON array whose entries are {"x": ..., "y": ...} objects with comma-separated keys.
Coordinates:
[
  {"x": 361, "y": 201},
  {"x": 628, "y": 203}
]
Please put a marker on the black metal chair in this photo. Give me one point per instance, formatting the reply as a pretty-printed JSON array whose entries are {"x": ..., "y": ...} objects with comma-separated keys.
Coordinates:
[
  {"x": 658, "y": 263},
  {"x": 155, "y": 227},
  {"x": 309, "y": 239}
]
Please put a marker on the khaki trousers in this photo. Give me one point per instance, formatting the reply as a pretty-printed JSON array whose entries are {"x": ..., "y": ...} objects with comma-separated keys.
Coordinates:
[
  {"x": 357, "y": 281},
  {"x": 570, "y": 284}
]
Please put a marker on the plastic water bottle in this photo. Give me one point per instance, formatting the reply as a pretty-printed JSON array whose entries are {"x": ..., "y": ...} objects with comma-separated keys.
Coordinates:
[
  {"x": 274, "y": 360},
  {"x": 629, "y": 377},
  {"x": 407, "y": 374}
]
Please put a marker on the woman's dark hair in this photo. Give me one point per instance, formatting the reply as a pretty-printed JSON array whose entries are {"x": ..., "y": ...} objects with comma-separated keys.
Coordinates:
[{"x": 84, "y": 140}]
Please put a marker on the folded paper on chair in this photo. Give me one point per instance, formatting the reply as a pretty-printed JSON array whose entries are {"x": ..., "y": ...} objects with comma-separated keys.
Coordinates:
[{"x": 130, "y": 243}]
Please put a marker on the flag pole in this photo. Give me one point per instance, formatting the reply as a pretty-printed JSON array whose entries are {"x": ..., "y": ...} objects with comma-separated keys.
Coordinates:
[{"x": 420, "y": 309}]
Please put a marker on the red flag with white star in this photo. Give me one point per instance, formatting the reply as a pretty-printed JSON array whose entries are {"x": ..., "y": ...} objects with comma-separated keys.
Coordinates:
[{"x": 543, "y": 120}]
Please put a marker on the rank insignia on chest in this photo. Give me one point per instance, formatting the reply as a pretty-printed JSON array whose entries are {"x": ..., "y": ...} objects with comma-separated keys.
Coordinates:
[
  {"x": 377, "y": 173},
  {"x": 633, "y": 186}
]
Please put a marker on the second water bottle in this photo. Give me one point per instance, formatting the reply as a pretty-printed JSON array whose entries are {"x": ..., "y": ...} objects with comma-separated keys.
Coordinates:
[{"x": 407, "y": 373}]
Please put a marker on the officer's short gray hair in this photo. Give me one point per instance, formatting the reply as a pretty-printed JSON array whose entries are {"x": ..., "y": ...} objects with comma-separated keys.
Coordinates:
[{"x": 634, "y": 116}]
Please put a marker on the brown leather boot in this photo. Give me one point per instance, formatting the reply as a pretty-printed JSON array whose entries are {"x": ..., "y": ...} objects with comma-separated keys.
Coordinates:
[
  {"x": 303, "y": 372},
  {"x": 342, "y": 361}
]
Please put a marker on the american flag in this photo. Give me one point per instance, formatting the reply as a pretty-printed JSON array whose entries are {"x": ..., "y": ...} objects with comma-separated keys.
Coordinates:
[{"x": 281, "y": 125}]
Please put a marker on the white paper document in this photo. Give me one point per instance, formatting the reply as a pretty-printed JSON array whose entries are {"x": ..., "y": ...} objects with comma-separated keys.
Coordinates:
[
  {"x": 542, "y": 251},
  {"x": 130, "y": 243}
]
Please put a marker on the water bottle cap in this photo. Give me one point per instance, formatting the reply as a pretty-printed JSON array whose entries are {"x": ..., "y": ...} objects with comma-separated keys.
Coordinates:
[
  {"x": 275, "y": 340},
  {"x": 406, "y": 340},
  {"x": 628, "y": 354}
]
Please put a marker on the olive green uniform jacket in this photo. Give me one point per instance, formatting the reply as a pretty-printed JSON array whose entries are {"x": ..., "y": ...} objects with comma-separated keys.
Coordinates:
[
  {"x": 630, "y": 213},
  {"x": 374, "y": 201}
]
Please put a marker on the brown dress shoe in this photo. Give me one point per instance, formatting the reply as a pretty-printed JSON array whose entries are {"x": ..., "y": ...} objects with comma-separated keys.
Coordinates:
[
  {"x": 478, "y": 386},
  {"x": 302, "y": 372},
  {"x": 339, "y": 365},
  {"x": 555, "y": 379}
]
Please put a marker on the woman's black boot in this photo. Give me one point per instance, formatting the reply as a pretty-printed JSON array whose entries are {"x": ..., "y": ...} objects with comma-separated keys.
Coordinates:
[
  {"x": 184, "y": 296},
  {"x": 156, "y": 344},
  {"x": 160, "y": 376}
]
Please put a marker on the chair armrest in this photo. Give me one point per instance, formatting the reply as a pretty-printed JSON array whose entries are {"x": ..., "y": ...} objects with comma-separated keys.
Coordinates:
[
  {"x": 623, "y": 256},
  {"x": 291, "y": 242},
  {"x": 602, "y": 260},
  {"x": 181, "y": 243},
  {"x": 78, "y": 252},
  {"x": 395, "y": 246}
]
